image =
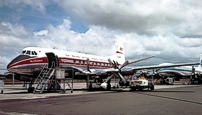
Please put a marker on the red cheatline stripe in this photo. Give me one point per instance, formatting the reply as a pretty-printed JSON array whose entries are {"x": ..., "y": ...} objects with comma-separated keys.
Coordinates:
[{"x": 43, "y": 60}]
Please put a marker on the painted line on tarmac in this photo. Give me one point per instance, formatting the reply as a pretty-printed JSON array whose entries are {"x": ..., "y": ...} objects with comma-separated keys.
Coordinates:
[
  {"x": 34, "y": 97},
  {"x": 15, "y": 113},
  {"x": 171, "y": 98}
]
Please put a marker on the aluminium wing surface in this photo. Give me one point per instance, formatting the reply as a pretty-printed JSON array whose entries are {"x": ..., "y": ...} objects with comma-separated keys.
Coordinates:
[
  {"x": 159, "y": 66},
  {"x": 105, "y": 71}
]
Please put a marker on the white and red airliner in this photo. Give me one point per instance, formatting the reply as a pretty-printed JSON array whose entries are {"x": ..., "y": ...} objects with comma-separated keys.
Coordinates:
[
  {"x": 30, "y": 62},
  {"x": 33, "y": 59}
]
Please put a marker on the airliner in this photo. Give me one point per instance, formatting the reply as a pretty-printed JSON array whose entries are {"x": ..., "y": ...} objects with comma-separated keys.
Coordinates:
[
  {"x": 184, "y": 71},
  {"x": 32, "y": 59},
  {"x": 30, "y": 62}
]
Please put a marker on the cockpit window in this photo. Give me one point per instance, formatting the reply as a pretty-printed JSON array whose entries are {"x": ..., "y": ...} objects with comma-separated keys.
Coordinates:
[
  {"x": 28, "y": 52},
  {"x": 34, "y": 53},
  {"x": 23, "y": 52}
]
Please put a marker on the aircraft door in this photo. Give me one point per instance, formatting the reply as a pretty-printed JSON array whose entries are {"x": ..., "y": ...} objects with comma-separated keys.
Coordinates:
[{"x": 53, "y": 60}]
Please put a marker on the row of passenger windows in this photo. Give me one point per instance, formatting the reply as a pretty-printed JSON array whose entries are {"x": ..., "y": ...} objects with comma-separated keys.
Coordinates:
[
  {"x": 91, "y": 63},
  {"x": 28, "y": 52}
]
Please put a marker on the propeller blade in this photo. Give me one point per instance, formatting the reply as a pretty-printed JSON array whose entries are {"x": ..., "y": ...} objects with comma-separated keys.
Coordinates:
[
  {"x": 108, "y": 78},
  {"x": 140, "y": 60},
  {"x": 115, "y": 65},
  {"x": 124, "y": 64},
  {"x": 111, "y": 63},
  {"x": 122, "y": 78}
]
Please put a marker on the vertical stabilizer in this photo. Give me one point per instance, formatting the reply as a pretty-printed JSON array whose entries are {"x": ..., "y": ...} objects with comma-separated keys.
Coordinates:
[
  {"x": 120, "y": 54},
  {"x": 200, "y": 65}
]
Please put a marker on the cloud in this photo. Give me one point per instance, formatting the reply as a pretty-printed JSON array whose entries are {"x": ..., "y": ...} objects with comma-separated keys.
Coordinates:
[
  {"x": 142, "y": 17},
  {"x": 168, "y": 30},
  {"x": 94, "y": 38},
  {"x": 13, "y": 38},
  {"x": 97, "y": 40},
  {"x": 38, "y": 5}
]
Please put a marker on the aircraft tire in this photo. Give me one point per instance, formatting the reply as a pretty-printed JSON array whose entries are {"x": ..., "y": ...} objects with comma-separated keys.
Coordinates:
[
  {"x": 117, "y": 86},
  {"x": 31, "y": 89},
  {"x": 90, "y": 87},
  {"x": 152, "y": 87},
  {"x": 109, "y": 87}
]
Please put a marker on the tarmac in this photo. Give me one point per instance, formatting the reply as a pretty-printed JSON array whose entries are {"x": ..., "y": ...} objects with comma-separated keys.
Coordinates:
[
  {"x": 165, "y": 99},
  {"x": 17, "y": 91}
]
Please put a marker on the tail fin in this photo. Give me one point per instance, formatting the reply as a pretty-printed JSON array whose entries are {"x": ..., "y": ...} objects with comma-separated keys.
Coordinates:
[
  {"x": 120, "y": 54},
  {"x": 200, "y": 61}
]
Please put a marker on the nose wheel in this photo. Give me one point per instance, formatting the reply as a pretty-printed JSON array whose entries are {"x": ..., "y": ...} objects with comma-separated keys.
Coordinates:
[{"x": 31, "y": 90}]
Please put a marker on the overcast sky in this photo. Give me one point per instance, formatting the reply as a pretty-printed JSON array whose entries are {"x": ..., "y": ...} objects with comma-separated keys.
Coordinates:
[{"x": 170, "y": 30}]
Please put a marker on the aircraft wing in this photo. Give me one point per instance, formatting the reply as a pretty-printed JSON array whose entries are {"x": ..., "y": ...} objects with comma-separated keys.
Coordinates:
[
  {"x": 124, "y": 69},
  {"x": 131, "y": 70},
  {"x": 164, "y": 66},
  {"x": 170, "y": 70}
]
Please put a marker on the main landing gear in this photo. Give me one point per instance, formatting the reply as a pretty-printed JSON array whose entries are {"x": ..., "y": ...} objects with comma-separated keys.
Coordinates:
[{"x": 30, "y": 88}]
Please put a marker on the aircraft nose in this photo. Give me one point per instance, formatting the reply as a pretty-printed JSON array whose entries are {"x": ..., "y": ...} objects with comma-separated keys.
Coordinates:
[{"x": 17, "y": 59}]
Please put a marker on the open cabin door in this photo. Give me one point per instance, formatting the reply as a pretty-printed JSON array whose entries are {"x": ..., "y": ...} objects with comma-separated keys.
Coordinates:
[{"x": 53, "y": 60}]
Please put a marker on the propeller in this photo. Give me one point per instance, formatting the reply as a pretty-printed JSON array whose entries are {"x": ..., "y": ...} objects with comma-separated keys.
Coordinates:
[{"x": 115, "y": 65}]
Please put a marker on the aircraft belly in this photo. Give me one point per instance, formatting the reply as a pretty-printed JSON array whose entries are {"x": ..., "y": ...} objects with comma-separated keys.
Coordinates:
[{"x": 26, "y": 69}]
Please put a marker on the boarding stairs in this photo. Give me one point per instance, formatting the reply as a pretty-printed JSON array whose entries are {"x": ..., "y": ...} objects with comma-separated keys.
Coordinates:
[
  {"x": 51, "y": 76},
  {"x": 45, "y": 79}
]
